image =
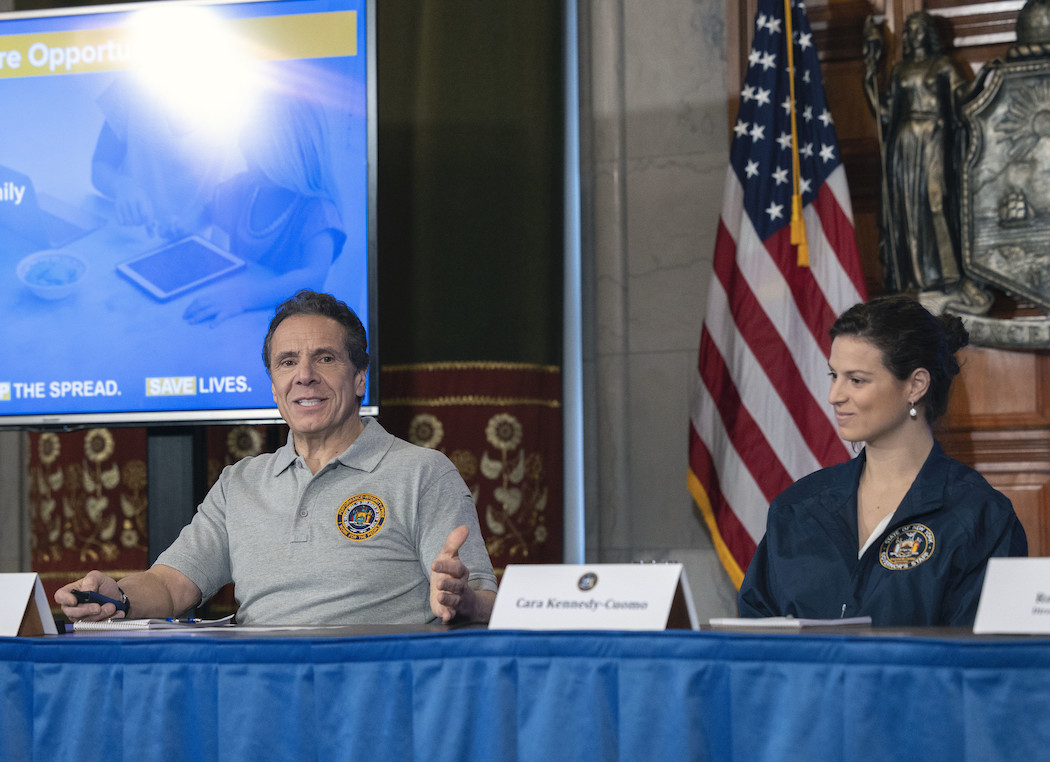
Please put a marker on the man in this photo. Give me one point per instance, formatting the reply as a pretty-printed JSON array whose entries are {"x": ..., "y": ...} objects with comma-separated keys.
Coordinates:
[{"x": 344, "y": 524}]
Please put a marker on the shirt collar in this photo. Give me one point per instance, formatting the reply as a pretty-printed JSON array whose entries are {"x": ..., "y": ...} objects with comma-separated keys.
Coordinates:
[
  {"x": 369, "y": 447},
  {"x": 363, "y": 454}
]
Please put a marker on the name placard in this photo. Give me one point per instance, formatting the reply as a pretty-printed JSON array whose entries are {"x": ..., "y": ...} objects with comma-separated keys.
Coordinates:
[
  {"x": 591, "y": 597},
  {"x": 1015, "y": 597},
  {"x": 23, "y": 606}
]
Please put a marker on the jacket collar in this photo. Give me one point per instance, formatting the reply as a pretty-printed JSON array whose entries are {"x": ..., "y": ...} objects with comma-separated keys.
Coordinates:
[
  {"x": 927, "y": 491},
  {"x": 839, "y": 501}
]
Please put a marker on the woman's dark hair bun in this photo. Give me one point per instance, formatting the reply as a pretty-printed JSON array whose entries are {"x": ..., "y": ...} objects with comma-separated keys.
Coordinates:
[{"x": 955, "y": 332}]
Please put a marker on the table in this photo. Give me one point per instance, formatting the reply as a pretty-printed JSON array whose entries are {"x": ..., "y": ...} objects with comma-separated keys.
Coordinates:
[{"x": 479, "y": 694}]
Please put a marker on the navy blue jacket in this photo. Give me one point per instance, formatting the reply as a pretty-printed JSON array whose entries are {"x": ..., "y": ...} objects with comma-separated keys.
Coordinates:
[{"x": 926, "y": 569}]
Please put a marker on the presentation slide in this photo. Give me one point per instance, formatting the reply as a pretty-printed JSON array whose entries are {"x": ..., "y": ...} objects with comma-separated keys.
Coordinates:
[{"x": 169, "y": 173}]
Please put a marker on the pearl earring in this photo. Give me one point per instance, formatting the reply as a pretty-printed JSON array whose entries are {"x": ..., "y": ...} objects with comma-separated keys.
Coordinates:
[{"x": 913, "y": 412}]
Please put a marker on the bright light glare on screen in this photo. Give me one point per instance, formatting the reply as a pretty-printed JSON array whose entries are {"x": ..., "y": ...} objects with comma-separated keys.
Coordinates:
[{"x": 189, "y": 60}]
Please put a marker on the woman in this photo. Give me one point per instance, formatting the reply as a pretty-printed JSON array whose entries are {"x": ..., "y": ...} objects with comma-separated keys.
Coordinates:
[
  {"x": 281, "y": 214},
  {"x": 902, "y": 532}
]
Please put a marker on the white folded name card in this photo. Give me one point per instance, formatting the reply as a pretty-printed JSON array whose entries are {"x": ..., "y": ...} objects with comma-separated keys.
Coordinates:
[
  {"x": 591, "y": 597},
  {"x": 1015, "y": 598},
  {"x": 23, "y": 606}
]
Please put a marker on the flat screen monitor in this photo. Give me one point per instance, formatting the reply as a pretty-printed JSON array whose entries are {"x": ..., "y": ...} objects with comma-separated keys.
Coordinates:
[{"x": 169, "y": 173}]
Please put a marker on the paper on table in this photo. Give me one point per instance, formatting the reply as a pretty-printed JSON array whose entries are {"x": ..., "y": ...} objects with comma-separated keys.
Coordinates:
[
  {"x": 149, "y": 624},
  {"x": 786, "y": 621}
]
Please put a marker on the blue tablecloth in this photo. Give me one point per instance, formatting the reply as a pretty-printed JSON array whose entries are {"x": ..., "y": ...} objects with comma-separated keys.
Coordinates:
[{"x": 479, "y": 694}]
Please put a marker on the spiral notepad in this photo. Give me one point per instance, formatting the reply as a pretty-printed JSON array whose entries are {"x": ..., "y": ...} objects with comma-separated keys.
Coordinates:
[{"x": 149, "y": 624}]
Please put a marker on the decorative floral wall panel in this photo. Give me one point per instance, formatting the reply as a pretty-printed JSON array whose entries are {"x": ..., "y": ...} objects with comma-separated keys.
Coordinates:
[
  {"x": 500, "y": 423},
  {"x": 88, "y": 503}
]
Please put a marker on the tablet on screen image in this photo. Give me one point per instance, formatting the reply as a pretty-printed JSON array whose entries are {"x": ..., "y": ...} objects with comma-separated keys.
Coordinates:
[{"x": 179, "y": 267}]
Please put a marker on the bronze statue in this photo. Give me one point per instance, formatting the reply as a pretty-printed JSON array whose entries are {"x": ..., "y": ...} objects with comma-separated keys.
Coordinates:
[
  {"x": 1033, "y": 28},
  {"x": 919, "y": 219},
  {"x": 966, "y": 178}
]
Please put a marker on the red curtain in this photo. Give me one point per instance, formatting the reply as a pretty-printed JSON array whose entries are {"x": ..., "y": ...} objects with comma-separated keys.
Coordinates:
[
  {"x": 88, "y": 503},
  {"x": 500, "y": 423}
]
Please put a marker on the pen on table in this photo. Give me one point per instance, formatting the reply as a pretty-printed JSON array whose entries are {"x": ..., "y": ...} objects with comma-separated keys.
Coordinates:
[{"x": 190, "y": 620}]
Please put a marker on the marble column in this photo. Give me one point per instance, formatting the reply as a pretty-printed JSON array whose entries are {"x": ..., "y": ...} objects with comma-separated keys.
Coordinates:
[
  {"x": 654, "y": 152},
  {"x": 14, "y": 503}
]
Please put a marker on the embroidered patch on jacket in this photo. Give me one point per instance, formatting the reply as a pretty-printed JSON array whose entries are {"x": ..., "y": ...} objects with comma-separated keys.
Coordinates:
[
  {"x": 361, "y": 516},
  {"x": 907, "y": 547}
]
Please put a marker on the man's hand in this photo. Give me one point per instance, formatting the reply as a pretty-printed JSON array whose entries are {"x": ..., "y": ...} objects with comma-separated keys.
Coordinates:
[
  {"x": 95, "y": 581},
  {"x": 450, "y": 595},
  {"x": 160, "y": 591}
]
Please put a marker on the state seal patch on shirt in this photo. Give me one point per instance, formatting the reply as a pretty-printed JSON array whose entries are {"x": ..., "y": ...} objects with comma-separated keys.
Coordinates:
[
  {"x": 907, "y": 547},
  {"x": 361, "y": 516}
]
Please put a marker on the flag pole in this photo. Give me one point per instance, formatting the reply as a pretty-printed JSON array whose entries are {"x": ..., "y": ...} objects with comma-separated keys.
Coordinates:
[{"x": 798, "y": 224}]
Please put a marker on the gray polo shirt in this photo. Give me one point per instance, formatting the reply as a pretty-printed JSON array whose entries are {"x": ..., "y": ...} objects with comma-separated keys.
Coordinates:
[{"x": 351, "y": 544}]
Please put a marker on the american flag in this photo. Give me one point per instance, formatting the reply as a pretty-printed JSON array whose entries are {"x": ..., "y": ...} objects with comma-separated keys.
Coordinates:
[{"x": 759, "y": 413}]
